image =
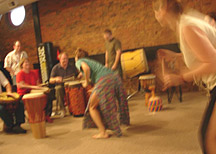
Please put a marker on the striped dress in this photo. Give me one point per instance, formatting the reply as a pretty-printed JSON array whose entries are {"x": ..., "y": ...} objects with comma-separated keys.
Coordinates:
[{"x": 113, "y": 104}]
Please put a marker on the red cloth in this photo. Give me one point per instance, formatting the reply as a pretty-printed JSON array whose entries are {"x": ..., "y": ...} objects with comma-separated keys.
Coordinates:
[
  {"x": 29, "y": 78},
  {"x": 37, "y": 73}
]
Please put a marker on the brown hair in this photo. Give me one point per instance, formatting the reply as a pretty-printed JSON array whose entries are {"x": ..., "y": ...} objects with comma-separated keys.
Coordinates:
[
  {"x": 22, "y": 62},
  {"x": 108, "y": 31},
  {"x": 173, "y": 6},
  {"x": 80, "y": 53}
]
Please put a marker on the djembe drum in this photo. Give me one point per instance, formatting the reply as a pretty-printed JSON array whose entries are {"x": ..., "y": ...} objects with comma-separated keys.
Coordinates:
[
  {"x": 76, "y": 99},
  {"x": 66, "y": 87},
  {"x": 10, "y": 103},
  {"x": 146, "y": 83},
  {"x": 35, "y": 104},
  {"x": 147, "y": 80}
]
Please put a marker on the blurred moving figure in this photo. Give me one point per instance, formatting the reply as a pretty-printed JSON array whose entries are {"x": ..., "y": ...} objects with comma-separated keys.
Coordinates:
[{"x": 197, "y": 40}]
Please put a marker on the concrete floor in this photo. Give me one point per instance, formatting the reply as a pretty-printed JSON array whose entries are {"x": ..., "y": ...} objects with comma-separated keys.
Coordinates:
[{"x": 171, "y": 131}]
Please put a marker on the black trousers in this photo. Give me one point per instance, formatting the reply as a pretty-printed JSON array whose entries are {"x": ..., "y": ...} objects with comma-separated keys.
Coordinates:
[
  {"x": 206, "y": 119},
  {"x": 19, "y": 115},
  {"x": 49, "y": 105}
]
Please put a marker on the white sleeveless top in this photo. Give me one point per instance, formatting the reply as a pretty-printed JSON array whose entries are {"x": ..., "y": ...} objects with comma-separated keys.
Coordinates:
[{"x": 190, "y": 59}]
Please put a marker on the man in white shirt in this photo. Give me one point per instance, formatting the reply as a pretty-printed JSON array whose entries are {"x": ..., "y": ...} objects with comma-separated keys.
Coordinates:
[
  {"x": 4, "y": 115},
  {"x": 11, "y": 63}
]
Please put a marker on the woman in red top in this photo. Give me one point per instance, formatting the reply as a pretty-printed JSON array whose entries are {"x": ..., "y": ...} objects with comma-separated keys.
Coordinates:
[{"x": 27, "y": 80}]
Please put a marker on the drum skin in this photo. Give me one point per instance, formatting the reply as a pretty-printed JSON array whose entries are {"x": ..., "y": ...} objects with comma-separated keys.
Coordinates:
[
  {"x": 134, "y": 63},
  {"x": 76, "y": 100},
  {"x": 35, "y": 105},
  {"x": 155, "y": 104},
  {"x": 9, "y": 103}
]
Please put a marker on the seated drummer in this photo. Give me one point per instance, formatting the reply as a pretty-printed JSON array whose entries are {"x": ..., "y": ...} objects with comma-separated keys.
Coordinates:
[
  {"x": 26, "y": 81},
  {"x": 10, "y": 127},
  {"x": 60, "y": 71}
]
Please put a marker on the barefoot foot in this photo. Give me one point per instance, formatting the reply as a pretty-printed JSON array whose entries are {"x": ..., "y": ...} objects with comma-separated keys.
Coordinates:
[{"x": 101, "y": 136}]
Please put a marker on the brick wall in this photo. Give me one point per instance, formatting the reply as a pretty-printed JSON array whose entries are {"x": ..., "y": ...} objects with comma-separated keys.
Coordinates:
[{"x": 79, "y": 23}]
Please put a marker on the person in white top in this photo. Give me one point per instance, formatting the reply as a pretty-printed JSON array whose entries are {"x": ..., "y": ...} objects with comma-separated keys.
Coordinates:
[
  {"x": 11, "y": 63},
  {"x": 19, "y": 117},
  {"x": 197, "y": 40}
]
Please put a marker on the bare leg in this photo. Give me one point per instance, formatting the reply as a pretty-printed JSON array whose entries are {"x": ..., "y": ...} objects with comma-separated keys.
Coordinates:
[
  {"x": 211, "y": 134},
  {"x": 96, "y": 117}
]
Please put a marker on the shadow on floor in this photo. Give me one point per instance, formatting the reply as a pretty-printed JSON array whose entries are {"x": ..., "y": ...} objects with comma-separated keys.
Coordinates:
[
  {"x": 167, "y": 108},
  {"x": 140, "y": 129}
]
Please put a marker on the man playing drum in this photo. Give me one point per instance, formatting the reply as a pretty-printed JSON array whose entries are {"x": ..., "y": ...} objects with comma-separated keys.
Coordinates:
[
  {"x": 113, "y": 52},
  {"x": 60, "y": 71},
  {"x": 19, "y": 113},
  {"x": 27, "y": 80},
  {"x": 107, "y": 107},
  {"x": 12, "y": 60}
]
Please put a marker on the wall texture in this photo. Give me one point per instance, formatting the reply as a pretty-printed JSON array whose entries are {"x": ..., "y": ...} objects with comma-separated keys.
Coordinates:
[{"x": 79, "y": 23}]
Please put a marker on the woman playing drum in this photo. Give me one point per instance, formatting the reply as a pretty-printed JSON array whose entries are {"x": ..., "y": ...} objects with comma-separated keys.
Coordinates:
[
  {"x": 198, "y": 45},
  {"x": 26, "y": 81},
  {"x": 107, "y": 100}
]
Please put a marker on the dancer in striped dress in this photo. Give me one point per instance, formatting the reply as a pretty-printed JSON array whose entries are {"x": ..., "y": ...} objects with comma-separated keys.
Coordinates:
[{"x": 107, "y": 107}]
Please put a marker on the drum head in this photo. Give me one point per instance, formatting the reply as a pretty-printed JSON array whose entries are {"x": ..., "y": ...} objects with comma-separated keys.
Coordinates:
[
  {"x": 74, "y": 83},
  {"x": 33, "y": 95},
  {"x": 4, "y": 98},
  {"x": 145, "y": 77},
  {"x": 42, "y": 90}
]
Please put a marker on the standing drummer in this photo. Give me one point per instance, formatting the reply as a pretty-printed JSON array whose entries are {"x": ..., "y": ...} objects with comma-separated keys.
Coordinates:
[
  {"x": 60, "y": 71},
  {"x": 113, "y": 52},
  {"x": 11, "y": 63},
  {"x": 19, "y": 113}
]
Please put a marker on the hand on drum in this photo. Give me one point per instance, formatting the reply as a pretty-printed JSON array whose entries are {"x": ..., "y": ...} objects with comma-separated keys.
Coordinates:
[
  {"x": 170, "y": 80},
  {"x": 12, "y": 95}
]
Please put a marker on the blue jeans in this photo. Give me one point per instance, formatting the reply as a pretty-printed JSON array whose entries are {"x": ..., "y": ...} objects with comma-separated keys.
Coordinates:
[{"x": 19, "y": 115}]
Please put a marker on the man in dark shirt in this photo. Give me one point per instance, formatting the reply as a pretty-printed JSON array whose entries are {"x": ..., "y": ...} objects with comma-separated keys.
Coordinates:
[
  {"x": 113, "y": 52},
  {"x": 60, "y": 71}
]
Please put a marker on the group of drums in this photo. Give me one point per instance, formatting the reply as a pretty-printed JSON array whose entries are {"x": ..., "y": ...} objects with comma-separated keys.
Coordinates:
[{"x": 76, "y": 98}]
